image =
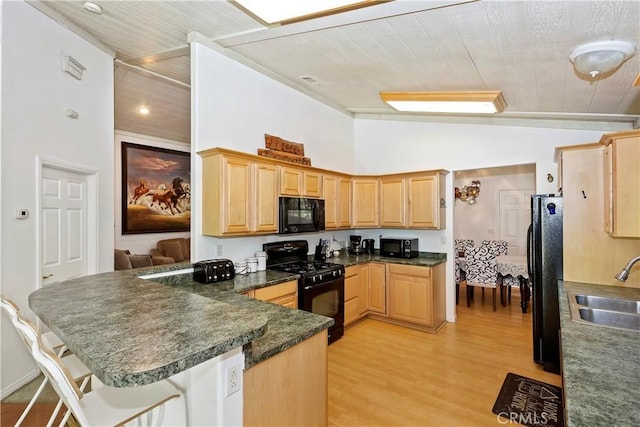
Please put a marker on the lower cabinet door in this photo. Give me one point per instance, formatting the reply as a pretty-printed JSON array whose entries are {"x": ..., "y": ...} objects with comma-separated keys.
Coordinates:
[{"x": 351, "y": 311}]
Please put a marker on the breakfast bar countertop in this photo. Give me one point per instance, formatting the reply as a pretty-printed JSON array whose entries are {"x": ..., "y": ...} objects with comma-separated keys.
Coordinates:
[
  {"x": 131, "y": 331},
  {"x": 600, "y": 365},
  {"x": 135, "y": 327}
]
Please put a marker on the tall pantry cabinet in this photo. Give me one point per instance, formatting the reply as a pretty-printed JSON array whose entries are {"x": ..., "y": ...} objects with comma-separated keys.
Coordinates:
[{"x": 591, "y": 254}]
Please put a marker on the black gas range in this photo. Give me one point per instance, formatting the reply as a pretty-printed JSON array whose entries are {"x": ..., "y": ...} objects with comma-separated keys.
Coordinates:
[{"x": 321, "y": 283}]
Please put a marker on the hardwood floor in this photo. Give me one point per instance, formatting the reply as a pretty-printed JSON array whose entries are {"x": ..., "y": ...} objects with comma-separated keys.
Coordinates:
[
  {"x": 386, "y": 375},
  {"x": 37, "y": 417}
]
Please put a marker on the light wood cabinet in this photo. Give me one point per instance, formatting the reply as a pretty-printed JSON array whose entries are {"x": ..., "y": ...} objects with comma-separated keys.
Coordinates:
[
  {"x": 265, "y": 210},
  {"x": 364, "y": 291},
  {"x": 426, "y": 201},
  {"x": 392, "y": 202},
  {"x": 344, "y": 202},
  {"x": 590, "y": 254},
  {"x": 352, "y": 300},
  {"x": 377, "y": 288},
  {"x": 416, "y": 294},
  {"x": 311, "y": 184},
  {"x": 413, "y": 201},
  {"x": 290, "y": 388},
  {"x": 290, "y": 181},
  {"x": 365, "y": 200},
  {"x": 622, "y": 183},
  {"x": 285, "y": 294},
  {"x": 299, "y": 182},
  {"x": 239, "y": 196},
  {"x": 337, "y": 201}
]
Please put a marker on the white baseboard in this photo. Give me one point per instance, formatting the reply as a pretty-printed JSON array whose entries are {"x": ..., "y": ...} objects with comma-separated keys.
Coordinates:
[{"x": 19, "y": 383}]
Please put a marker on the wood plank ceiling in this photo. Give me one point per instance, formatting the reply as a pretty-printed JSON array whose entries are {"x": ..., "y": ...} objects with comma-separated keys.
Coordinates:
[{"x": 518, "y": 47}]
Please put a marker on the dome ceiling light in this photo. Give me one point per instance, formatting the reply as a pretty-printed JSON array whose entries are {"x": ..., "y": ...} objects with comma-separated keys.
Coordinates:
[{"x": 598, "y": 58}]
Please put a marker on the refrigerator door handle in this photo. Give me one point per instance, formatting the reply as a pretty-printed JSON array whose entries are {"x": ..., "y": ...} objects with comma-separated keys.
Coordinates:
[{"x": 530, "y": 250}]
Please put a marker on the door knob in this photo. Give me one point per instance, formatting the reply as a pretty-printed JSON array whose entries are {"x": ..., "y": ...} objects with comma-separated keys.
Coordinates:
[{"x": 47, "y": 276}]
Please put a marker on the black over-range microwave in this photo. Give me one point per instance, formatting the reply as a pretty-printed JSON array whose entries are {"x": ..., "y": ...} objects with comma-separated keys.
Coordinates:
[
  {"x": 398, "y": 248},
  {"x": 300, "y": 215}
]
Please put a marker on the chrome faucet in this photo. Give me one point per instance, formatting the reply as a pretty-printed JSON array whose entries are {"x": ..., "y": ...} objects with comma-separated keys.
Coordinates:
[{"x": 624, "y": 274}]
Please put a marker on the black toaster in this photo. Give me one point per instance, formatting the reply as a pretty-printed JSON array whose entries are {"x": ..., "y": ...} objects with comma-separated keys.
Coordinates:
[{"x": 213, "y": 270}]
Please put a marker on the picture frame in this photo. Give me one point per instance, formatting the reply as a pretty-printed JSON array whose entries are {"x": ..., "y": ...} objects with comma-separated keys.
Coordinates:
[{"x": 156, "y": 189}]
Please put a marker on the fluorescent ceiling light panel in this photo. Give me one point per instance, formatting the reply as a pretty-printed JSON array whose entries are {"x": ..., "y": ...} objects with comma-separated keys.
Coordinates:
[
  {"x": 287, "y": 11},
  {"x": 446, "y": 102}
]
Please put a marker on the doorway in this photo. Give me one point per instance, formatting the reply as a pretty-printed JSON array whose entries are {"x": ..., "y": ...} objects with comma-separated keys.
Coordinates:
[
  {"x": 67, "y": 221},
  {"x": 500, "y": 211}
]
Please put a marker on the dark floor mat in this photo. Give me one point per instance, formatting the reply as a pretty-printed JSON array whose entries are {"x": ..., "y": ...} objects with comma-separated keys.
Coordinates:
[{"x": 529, "y": 402}]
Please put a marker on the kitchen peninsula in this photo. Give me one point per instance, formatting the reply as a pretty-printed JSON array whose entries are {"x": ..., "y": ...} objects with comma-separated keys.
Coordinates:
[{"x": 132, "y": 331}]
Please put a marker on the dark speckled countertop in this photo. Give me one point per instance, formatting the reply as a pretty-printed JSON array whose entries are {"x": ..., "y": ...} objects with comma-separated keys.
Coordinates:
[
  {"x": 131, "y": 330},
  {"x": 600, "y": 366}
]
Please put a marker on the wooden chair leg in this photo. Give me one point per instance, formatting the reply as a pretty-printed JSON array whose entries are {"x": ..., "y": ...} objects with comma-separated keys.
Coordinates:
[
  {"x": 469, "y": 290},
  {"x": 457, "y": 292},
  {"x": 509, "y": 292},
  {"x": 494, "y": 298}
]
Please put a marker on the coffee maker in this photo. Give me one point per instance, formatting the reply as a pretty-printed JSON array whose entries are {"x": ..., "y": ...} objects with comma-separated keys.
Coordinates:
[{"x": 355, "y": 247}]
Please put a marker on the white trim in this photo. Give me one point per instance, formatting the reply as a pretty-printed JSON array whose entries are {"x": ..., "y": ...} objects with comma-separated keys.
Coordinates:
[
  {"x": 147, "y": 138},
  {"x": 21, "y": 382},
  {"x": 92, "y": 210}
]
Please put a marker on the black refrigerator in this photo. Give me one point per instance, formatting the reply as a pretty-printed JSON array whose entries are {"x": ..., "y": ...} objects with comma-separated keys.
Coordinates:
[{"x": 544, "y": 259}]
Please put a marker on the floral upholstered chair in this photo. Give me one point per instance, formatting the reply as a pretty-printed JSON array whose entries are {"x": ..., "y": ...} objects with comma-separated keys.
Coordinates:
[
  {"x": 500, "y": 247},
  {"x": 460, "y": 247},
  {"x": 481, "y": 270}
]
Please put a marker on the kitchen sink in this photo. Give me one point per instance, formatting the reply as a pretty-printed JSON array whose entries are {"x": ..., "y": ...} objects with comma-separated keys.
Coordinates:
[
  {"x": 605, "y": 303},
  {"x": 618, "y": 313}
]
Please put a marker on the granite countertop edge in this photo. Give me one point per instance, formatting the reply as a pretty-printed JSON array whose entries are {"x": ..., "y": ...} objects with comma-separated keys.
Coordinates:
[
  {"x": 272, "y": 329},
  {"x": 600, "y": 365}
]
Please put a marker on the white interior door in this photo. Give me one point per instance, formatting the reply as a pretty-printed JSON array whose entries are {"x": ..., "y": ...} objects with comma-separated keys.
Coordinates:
[
  {"x": 515, "y": 217},
  {"x": 63, "y": 232}
]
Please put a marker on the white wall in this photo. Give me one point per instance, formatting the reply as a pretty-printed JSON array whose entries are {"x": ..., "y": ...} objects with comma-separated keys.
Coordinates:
[
  {"x": 233, "y": 107},
  {"x": 138, "y": 243},
  {"x": 35, "y": 95},
  {"x": 386, "y": 146}
]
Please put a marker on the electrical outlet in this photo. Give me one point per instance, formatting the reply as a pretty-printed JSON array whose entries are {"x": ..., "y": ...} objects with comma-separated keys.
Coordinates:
[
  {"x": 218, "y": 250},
  {"x": 233, "y": 380}
]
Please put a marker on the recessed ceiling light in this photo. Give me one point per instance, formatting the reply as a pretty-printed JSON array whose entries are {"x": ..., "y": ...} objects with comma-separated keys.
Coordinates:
[
  {"x": 93, "y": 7},
  {"x": 446, "y": 102},
  {"x": 143, "y": 110},
  {"x": 288, "y": 11}
]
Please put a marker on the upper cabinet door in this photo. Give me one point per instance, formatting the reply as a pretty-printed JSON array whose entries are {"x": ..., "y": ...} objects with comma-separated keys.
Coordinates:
[
  {"x": 312, "y": 184},
  {"x": 392, "y": 202},
  {"x": 426, "y": 203},
  {"x": 330, "y": 196},
  {"x": 344, "y": 202},
  {"x": 290, "y": 181},
  {"x": 365, "y": 202},
  {"x": 236, "y": 176},
  {"x": 622, "y": 183},
  {"x": 266, "y": 196}
]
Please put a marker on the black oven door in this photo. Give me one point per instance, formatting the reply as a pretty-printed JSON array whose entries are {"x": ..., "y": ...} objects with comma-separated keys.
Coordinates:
[
  {"x": 326, "y": 299},
  {"x": 300, "y": 215}
]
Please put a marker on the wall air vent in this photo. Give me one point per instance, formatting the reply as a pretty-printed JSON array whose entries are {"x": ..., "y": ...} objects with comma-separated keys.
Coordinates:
[{"x": 72, "y": 67}]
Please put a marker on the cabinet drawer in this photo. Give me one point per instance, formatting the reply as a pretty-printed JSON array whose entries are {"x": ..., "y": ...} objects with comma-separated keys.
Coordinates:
[
  {"x": 409, "y": 270},
  {"x": 351, "y": 271},
  {"x": 351, "y": 287},
  {"x": 289, "y": 300},
  {"x": 351, "y": 310},
  {"x": 275, "y": 291}
]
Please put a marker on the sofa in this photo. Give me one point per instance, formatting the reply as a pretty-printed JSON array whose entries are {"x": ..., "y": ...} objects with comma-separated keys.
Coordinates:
[
  {"x": 170, "y": 251},
  {"x": 125, "y": 260}
]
